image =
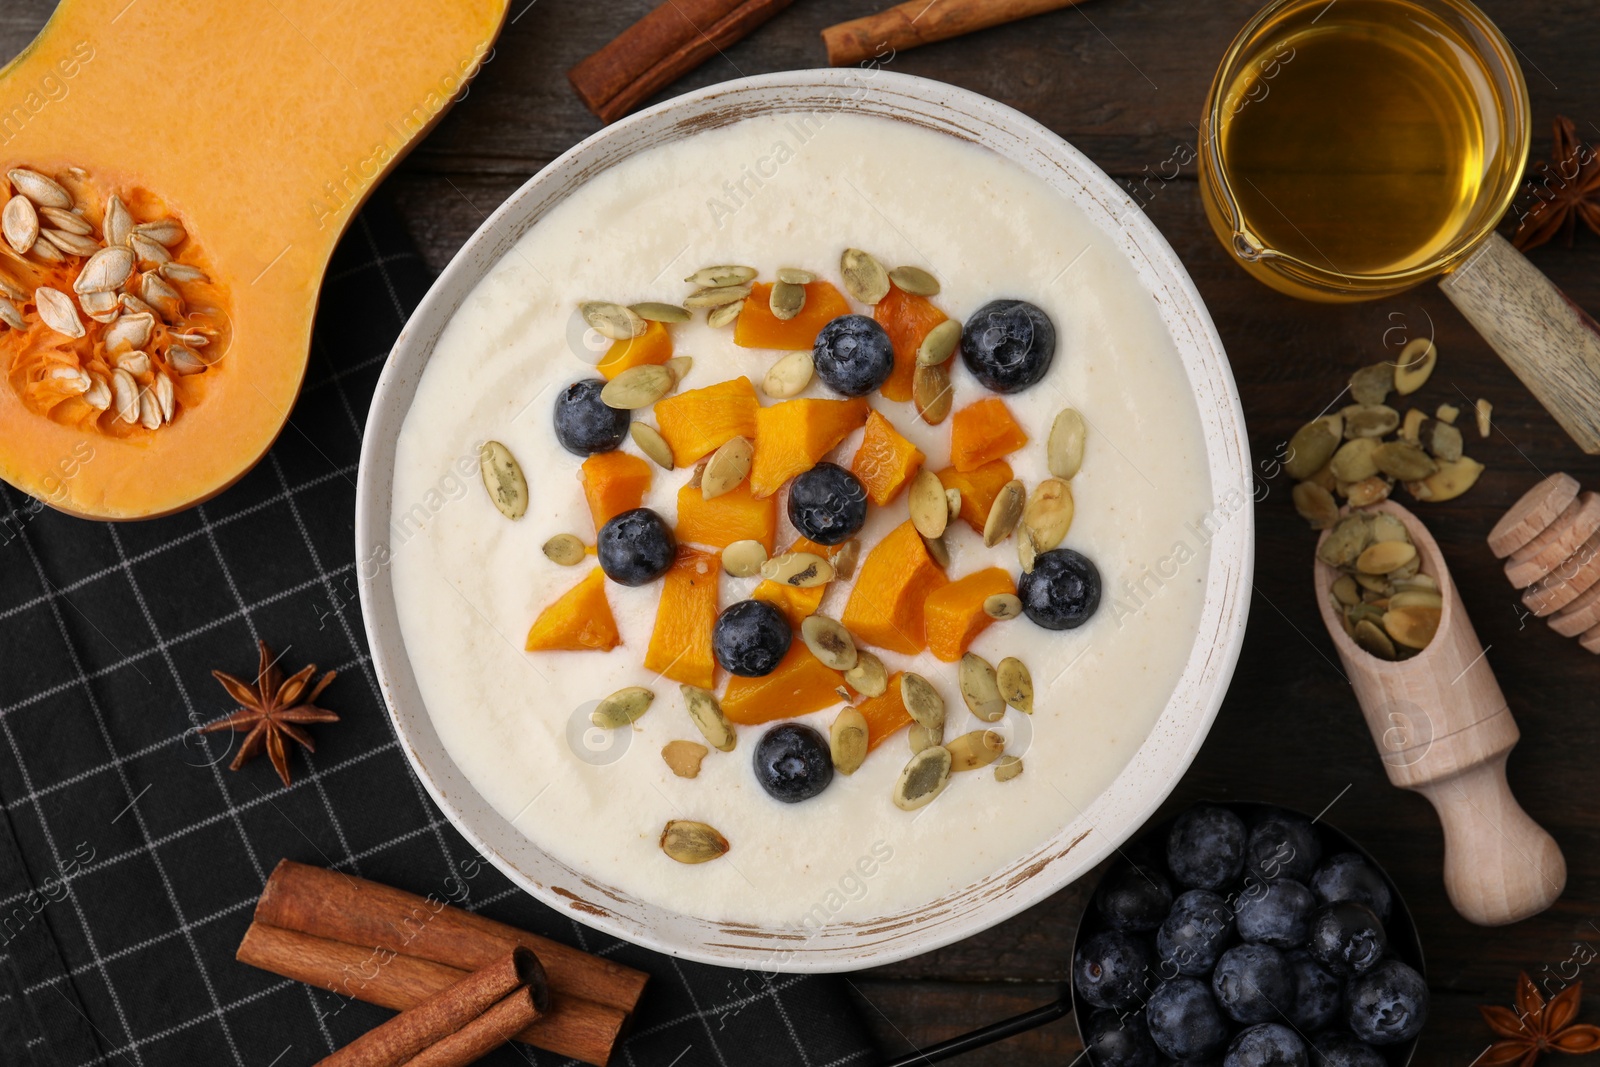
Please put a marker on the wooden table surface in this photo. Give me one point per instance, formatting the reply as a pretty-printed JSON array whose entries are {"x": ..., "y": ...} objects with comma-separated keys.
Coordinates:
[{"x": 1124, "y": 80}]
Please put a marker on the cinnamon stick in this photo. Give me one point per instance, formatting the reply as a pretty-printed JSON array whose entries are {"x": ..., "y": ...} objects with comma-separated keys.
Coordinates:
[
  {"x": 444, "y": 1013},
  {"x": 575, "y": 1028},
  {"x": 345, "y": 908},
  {"x": 660, "y": 48},
  {"x": 481, "y": 1036},
  {"x": 918, "y": 22}
]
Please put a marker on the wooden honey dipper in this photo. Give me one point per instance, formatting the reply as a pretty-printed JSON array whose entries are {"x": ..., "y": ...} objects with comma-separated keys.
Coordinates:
[
  {"x": 1444, "y": 730},
  {"x": 1550, "y": 540}
]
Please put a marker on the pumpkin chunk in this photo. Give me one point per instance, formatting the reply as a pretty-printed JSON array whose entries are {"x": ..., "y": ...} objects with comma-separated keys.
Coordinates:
[
  {"x": 652, "y": 346},
  {"x": 906, "y": 318},
  {"x": 580, "y": 620},
  {"x": 799, "y": 684},
  {"x": 953, "y": 615},
  {"x": 734, "y": 516},
  {"x": 978, "y": 489},
  {"x": 613, "y": 482},
  {"x": 886, "y": 604},
  {"x": 792, "y": 436},
  {"x": 680, "y": 644},
  {"x": 795, "y": 602},
  {"x": 885, "y": 461},
  {"x": 758, "y": 327},
  {"x": 884, "y": 714},
  {"x": 701, "y": 420},
  {"x": 982, "y": 432}
]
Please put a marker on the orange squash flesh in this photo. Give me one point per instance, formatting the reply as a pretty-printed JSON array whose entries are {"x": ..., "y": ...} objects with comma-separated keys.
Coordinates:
[
  {"x": 982, "y": 432},
  {"x": 953, "y": 614},
  {"x": 906, "y": 318},
  {"x": 736, "y": 515},
  {"x": 795, "y": 602},
  {"x": 885, "y": 461},
  {"x": 613, "y": 482},
  {"x": 579, "y": 621},
  {"x": 885, "y": 608},
  {"x": 758, "y": 327},
  {"x": 699, "y": 421},
  {"x": 652, "y": 346},
  {"x": 978, "y": 489},
  {"x": 793, "y": 436},
  {"x": 680, "y": 644},
  {"x": 799, "y": 684},
  {"x": 211, "y": 155},
  {"x": 884, "y": 714}
]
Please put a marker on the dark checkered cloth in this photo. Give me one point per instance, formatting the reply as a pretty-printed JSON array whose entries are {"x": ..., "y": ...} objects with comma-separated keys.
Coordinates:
[{"x": 130, "y": 856}]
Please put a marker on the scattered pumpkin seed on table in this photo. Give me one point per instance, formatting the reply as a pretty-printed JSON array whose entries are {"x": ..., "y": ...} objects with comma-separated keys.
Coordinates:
[
  {"x": 1315, "y": 504},
  {"x": 1313, "y": 445},
  {"x": 1371, "y": 385},
  {"x": 688, "y": 841},
  {"x": 1370, "y": 420},
  {"x": 1415, "y": 365},
  {"x": 1448, "y": 482},
  {"x": 502, "y": 478}
]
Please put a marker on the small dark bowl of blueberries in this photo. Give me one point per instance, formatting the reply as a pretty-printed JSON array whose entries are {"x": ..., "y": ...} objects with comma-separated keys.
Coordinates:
[{"x": 1244, "y": 935}]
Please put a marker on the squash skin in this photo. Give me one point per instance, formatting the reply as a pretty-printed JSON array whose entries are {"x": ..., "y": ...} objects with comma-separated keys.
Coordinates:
[
  {"x": 758, "y": 327},
  {"x": 697, "y": 422},
  {"x": 680, "y": 643},
  {"x": 793, "y": 436},
  {"x": 885, "y": 461},
  {"x": 978, "y": 489},
  {"x": 983, "y": 432},
  {"x": 953, "y": 615},
  {"x": 906, "y": 318},
  {"x": 798, "y": 685},
  {"x": 736, "y": 515},
  {"x": 652, "y": 346},
  {"x": 885, "y": 608},
  {"x": 266, "y": 230},
  {"x": 613, "y": 482},
  {"x": 885, "y": 714},
  {"x": 580, "y": 620}
]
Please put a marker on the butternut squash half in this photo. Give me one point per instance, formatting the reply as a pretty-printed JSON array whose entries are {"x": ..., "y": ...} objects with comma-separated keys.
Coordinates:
[{"x": 241, "y": 138}]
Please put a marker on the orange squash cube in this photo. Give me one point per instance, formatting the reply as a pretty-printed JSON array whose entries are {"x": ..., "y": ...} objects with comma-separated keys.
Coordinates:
[
  {"x": 736, "y": 515},
  {"x": 758, "y": 327},
  {"x": 680, "y": 644},
  {"x": 578, "y": 621},
  {"x": 652, "y": 346},
  {"x": 793, "y": 436},
  {"x": 886, "y": 603},
  {"x": 885, "y": 461},
  {"x": 701, "y": 420},
  {"x": 953, "y": 614},
  {"x": 978, "y": 489},
  {"x": 613, "y": 482},
  {"x": 799, "y": 684},
  {"x": 906, "y": 318},
  {"x": 982, "y": 432},
  {"x": 884, "y": 714}
]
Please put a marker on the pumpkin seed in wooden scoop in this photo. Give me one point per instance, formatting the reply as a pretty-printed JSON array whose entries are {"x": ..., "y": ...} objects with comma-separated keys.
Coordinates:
[
  {"x": 622, "y": 707},
  {"x": 502, "y": 478},
  {"x": 847, "y": 740},
  {"x": 688, "y": 841},
  {"x": 706, "y": 713},
  {"x": 979, "y": 689},
  {"x": 923, "y": 778},
  {"x": 829, "y": 641},
  {"x": 1370, "y": 636},
  {"x": 1385, "y": 556}
]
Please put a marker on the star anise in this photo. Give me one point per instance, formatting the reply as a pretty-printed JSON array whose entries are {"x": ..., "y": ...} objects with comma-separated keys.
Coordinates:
[
  {"x": 1536, "y": 1027},
  {"x": 272, "y": 710},
  {"x": 1566, "y": 189}
]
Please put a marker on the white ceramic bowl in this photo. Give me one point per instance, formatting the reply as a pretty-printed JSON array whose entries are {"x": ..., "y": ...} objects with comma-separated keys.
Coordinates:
[{"x": 1079, "y": 845}]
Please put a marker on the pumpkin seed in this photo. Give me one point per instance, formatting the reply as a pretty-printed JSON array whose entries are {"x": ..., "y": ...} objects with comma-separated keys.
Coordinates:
[
  {"x": 1441, "y": 439},
  {"x": 612, "y": 320},
  {"x": 1483, "y": 410},
  {"x": 923, "y": 778},
  {"x": 57, "y": 311},
  {"x": 1411, "y": 426},
  {"x": 847, "y": 740},
  {"x": 166, "y": 232},
  {"x": 829, "y": 641},
  {"x": 134, "y": 305},
  {"x": 716, "y": 296},
  {"x": 66, "y": 221},
  {"x": 135, "y": 363},
  {"x": 1368, "y": 491},
  {"x": 1346, "y": 592},
  {"x": 930, "y": 510},
  {"x": 864, "y": 277},
  {"x": 699, "y": 469},
  {"x": 1004, "y": 513},
  {"x": 976, "y": 749},
  {"x": 1371, "y": 385},
  {"x": 1316, "y": 505},
  {"x": 654, "y": 311},
  {"x": 1002, "y": 606},
  {"x": 1386, "y": 527},
  {"x": 117, "y": 223},
  {"x": 938, "y": 550},
  {"x": 1448, "y": 482},
  {"x": 1405, "y": 570},
  {"x": 919, "y": 737},
  {"x": 1016, "y": 684},
  {"x": 845, "y": 558},
  {"x": 1412, "y": 627},
  {"x": 679, "y": 367},
  {"x": 1376, "y": 584},
  {"x": 1385, "y": 556},
  {"x": 162, "y": 298},
  {"x": 652, "y": 444},
  {"x": 789, "y": 376},
  {"x": 729, "y": 466},
  {"x": 939, "y": 344},
  {"x": 11, "y": 289},
  {"x": 743, "y": 559},
  {"x": 786, "y": 300},
  {"x": 636, "y": 387},
  {"x": 125, "y": 395},
  {"x": 869, "y": 676},
  {"x": 915, "y": 280},
  {"x": 502, "y": 479},
  {"x": 149, "y": 412},
  {"x": 720, "y": 317},
  {"x": 1404, "y": 461},
  {"x": 1447, "y": 413},
  {"x": 150, "y": 254},
  {"x": 49, "y": 253},
  {"x": 622, "y": 708},
  {"x": 706, "y": 714},
  {"x": 952, "y": 499},
  {"x": 802, "y": 570},
  {"x": 1007, "y": 768},
  {"x": 98, "y": 395},
  {"x": 1369, "y": 636},
  {"x": 684, "y": 757},
  {"x": 979, "y": 689},
  {"x": 1345, "y": 542},
  {"x": 71, "y": 243},
  {"x": 1419, "y": 582},
  {"x": 565, "y": 549},
  {"x": 11, "y": 316},
  {"x": 20, "y": 224},
  {"x": 718, "y": 277},
  {"x": 166, "y": 397},
  {"x": 1047, "y": 516},
  {"x": 1416, "y": 363},
  {"x": 1353, "y": 461},
  {"x": 1416, "y": 598},
  {"x": 44, "y": 192},
  {"x": 1370, "y": 420},
  {"x": 70, "y": 378},
  {"x": 101, "y": 307},
  {"x": 182, "y": 272},
  {"x": 1064, "y": 448},
  {"x": 931, "y": 392},
  {"x": 688, "y": 841},
  {"x": 1313, "y": 445},
  {"x": 922, "y": 700},
  {"x": 184, "y": 360},
  {"x": 795, "y": 276}
]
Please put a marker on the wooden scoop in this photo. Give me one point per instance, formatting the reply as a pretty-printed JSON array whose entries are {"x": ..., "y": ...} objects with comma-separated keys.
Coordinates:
[{"x": 1444, "y": 730}]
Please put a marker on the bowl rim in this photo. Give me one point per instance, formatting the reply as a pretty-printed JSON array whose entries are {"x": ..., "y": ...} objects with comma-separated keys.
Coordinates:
[{"x": 1160, "y": 761}]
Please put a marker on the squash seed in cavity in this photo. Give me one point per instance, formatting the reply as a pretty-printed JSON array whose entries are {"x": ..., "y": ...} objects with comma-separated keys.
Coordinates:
[
  {"x": 566, "y": 550},
  {"x": 1002, "y": 606},
  {"x": 637, "y": 387},
  {"x": 919, "y": 737},
  {"x": 706, "y": 713},
  {"x": 1345, "y": 542},
  {"x": 1371, "y": 385},
  {"x": 612, "y": 320},
  {"x": 803, "y": 570},
  {"x": 1367, "y": 491},
  {"x": 1313, "y": 445},
  {"x": 915, "y": 281},
  {"x": 786, "y": 300},
  {"x": 1415, "y": 365},
  {"x": 1403, "y": 461},
  {"x": 679, "y": 367},
  {"x": 938, "y": 550},
  {"x": 979, "y": 689},
  {"x": 1316, "y": 505},
  {"x": 652, "y": 444},
  {"x": 1370, "y": 637},
  {"x": 1004, "y": 513},
  {"x": 1047, "y": 516},
  {"x": 931, "y": 392},
  {"x": 1064, "y": 448},
  {"x": 847, "y": 740},
  {"x": 716, "y": 296},
  {"x": 923, "y": 778},
  {"x": 720, "y": 317},
  {"x": 1353, "y": 461},
  {"x": 1007, "y": 768},
  {"x": 1016, "y": 684},
  {"x": 930, "y": 509},
  {"x": 869, "y": 676},
  {"x": 1345, "y": 591},
  {"x": 789, "y": 376},
  {"x": 502, "y": 478},
  {"x": 845, "y": 558},
  {"x": 939, "y": 344},
  {"x": 922, "y": 700},
  {"x": 729, "y": 466},
  {"x": 653, "y": 311},
  {"x": 622, "y": 707},
  {"x": 688, "y": 841},
  {"x": 864, "y": 277},
  {"x": 716, "y": 277},
  {"x": 1386, "y": 527},
  {"x": 684, "y": 757},
  {"x": 795, "y": 276},
  {"x": 1448, "y": 482},
  {"x": 1385, "y": 556},
  {"x": 743, "y": 559},
  {"x": 829, "y": 641},
  {"x": 976, "y": 749},
  {"x": 1370, "y": 420}
]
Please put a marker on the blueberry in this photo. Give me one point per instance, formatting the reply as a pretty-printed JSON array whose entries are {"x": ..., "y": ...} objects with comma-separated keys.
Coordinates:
[
  {"x": 1268, "y": 1045},
  {"x": 853, "y": 354},
  {"x": 1184, "y": 1020},
  {"x": 1111, "y": 969},
  {"x": 1275, "y": 913},
  {"x": 1348, "y": 876},
  {"x": 1205, "y": 848},
  {"x": 750, "y": 637},
  {"x": 1282, "y": 845},
  {"x": 1388, "y": 1004},
  {"x": 636, "y": 547},
  {"x": 1253, "y": 983},
  {"x": 1339, "y": 1048},
  {"x": 1318, "y": 995},
  {"x": 1347, "y": 938},
  {"x": 1134, "y": 897},
  {"x": 584, "y": 425},
  {"x": 1061, "y": 591},
  {"x": 793, "y": 762},
  {"x": 1008, "y": 345},
  {"x": 827, "y": 504},
  {"x": 1194, "y": 934},
  {"x": 1117, "y": 1040}
]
